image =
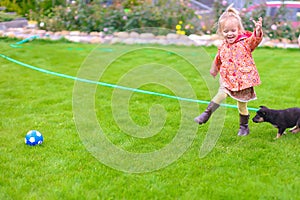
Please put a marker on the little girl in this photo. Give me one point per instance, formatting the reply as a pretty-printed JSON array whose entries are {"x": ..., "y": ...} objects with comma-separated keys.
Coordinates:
[{"x": 238, "y": 73}]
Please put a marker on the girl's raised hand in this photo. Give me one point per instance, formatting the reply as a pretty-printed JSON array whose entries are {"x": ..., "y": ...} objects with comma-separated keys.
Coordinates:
[{"x": 258, "y": 25}]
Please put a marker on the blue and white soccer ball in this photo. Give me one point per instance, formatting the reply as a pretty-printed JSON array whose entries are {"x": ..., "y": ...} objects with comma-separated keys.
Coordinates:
[{"x": 33, "y": 138}]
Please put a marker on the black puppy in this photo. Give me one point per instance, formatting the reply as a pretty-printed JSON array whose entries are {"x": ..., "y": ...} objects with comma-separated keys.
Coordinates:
[{"x": 280, "y": 119}]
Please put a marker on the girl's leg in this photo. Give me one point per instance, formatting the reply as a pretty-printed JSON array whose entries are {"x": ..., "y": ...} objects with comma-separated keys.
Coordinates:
[
  {"x": 212, "y": 106},
  {"x": 221, "y": 96},
  {"x": 242, "y": 106},
  {"x": 244, "y": 118}
]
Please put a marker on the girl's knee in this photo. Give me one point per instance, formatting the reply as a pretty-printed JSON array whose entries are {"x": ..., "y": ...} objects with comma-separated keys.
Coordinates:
[{"x": 221, "y": 96}]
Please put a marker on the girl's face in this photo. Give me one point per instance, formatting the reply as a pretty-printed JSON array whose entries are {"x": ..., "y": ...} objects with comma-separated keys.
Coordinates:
[{"x": 230, "y": 30}]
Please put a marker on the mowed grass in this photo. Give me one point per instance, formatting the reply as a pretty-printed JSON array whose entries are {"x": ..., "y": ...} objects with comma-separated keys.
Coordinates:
[{"x": 252, "y": 167}]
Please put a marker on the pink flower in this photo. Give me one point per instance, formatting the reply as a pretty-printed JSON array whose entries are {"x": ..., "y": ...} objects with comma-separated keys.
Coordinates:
[
  {"x": 105, "y": 29},
  {"x": 274, "y": 27},
  {"x": 224, "y": 2},
  {"x": 125, "y": 17}
]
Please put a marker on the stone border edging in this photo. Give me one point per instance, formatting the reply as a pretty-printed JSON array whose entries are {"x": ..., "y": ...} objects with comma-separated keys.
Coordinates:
[{"x": 131, "y": 38}]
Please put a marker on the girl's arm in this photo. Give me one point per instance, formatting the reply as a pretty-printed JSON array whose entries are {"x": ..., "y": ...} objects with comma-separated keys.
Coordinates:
[
  {"x": 257, "y": 35},
  {"x": 213, "y": 70}
]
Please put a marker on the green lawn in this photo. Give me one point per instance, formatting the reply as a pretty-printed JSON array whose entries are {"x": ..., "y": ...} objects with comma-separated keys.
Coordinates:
[{"x": 78, "y": 118}]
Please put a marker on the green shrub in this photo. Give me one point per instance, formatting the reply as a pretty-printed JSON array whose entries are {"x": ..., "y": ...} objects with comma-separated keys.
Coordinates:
[
  {"x": 137, "y": 14},
  {"x": 10, "y": 6},
  {"x": 4, "y": 17},
  {"x": 99, "y": 17}
]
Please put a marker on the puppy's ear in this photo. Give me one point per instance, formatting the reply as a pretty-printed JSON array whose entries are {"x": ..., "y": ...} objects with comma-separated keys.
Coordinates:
[{"x": 262, "y": 111}]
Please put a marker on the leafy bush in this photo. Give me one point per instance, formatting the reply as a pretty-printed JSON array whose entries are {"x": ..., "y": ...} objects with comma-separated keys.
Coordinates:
[
  {"x": 4, "y": 17},
  {"x": 10, "y": 6},
  {"x": 137, "y": 14},
  {"x": 23, "y": 7},
  {"x": 100, "y": 17}
]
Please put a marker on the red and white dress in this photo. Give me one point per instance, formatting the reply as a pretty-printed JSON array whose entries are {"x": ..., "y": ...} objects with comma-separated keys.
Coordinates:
[{"x": 238, "y": 72}]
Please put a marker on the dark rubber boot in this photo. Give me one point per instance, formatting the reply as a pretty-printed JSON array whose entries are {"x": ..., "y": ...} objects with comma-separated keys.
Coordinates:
[
  {"x": 244, "y": 129},
  {"x": 203, "y": 118}
]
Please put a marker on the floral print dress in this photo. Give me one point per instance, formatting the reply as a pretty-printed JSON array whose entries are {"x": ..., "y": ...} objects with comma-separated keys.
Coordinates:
[{"x": 238, "y": 72}]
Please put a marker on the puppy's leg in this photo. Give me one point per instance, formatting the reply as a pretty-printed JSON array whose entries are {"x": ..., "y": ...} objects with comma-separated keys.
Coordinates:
[
  {"x": 280, "y": 132},
  {"x": 296, "y": 129}
]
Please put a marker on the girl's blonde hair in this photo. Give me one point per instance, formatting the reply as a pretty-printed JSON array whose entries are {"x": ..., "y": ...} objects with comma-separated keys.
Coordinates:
[{"x": 230, "y": 12}]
